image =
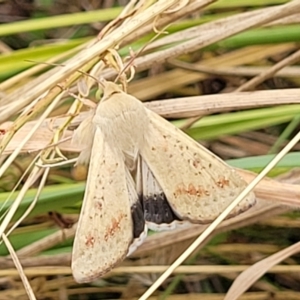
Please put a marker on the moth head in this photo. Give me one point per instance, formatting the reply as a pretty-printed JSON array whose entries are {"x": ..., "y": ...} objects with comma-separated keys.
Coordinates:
[{"x": 109, "y": 88}]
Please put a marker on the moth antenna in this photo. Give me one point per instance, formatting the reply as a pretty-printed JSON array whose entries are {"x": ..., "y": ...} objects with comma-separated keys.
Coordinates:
[{"x": 130, "y": 63}]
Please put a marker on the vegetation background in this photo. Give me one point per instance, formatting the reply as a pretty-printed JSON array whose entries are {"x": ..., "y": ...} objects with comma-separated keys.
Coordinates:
[{"x": 227, "y": 72}]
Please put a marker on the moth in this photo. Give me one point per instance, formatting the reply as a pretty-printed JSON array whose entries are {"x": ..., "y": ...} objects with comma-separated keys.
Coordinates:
[{"x": 143, "y": 173}]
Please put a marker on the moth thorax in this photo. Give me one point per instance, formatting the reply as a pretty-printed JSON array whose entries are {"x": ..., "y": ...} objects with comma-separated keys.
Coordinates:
[
  {"x": 124, "y": 132},
  {"x": 129, "y": 136}
]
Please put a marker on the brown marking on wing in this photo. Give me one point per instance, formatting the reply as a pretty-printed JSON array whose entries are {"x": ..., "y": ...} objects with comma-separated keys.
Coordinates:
[
  {"x": 165, "y": 147},
  {"x": 191, "y": 190},
  {"x": 196, "y": 163},
  {"x": 180, "y": 190},
  {"x": 222, "y": 182},
  {"x": 98, "y": 204},
  {"x": 90, "y": 240},
  {"x": 114, "y": 227}
]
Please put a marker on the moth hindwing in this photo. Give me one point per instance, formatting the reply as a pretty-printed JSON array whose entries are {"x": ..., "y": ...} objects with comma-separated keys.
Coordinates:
[{"x": 142, "y": 170}]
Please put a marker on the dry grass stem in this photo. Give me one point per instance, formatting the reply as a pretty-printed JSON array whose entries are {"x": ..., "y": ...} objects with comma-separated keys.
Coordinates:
[
  {"x": 20, "y": 270},
  {"x": 183, "y": 107},
  {"x": 295, "y": 57}
]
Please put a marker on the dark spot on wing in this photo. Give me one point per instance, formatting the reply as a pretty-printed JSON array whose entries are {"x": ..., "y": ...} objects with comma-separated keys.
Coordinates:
[
  {"x": 196, "y": 163},
  {"x": 157, "y": 209},
  {"x": 138, "y": 219}
]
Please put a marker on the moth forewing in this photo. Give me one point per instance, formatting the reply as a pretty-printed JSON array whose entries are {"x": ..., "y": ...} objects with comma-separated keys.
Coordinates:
[
  {"x": 111, "y": 223},
  {"x": 197, "y": 184},
  {"x": 105, "y": 226}
]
